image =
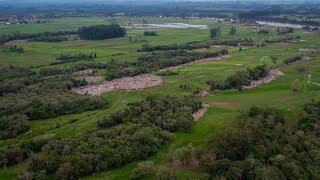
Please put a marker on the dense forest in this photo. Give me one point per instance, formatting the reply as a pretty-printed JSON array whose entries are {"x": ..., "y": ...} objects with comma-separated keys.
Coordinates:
[
  {"x": 26, "y": 95},
  {"x": 259, "y": 144},
  {"x": 100, "y": 32},
  {"x": 268, "y": 148},
  {"x": 146, "y": 127}
]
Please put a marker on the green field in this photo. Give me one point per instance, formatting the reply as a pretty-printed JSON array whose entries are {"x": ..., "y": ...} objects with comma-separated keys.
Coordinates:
[{"x": 224, "y": 106}]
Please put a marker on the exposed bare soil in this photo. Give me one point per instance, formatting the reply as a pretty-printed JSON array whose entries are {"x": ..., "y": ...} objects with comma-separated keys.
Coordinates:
[
  {"x": 13, "y": 42},
  {"x": 273, "y": 75},
  {"x": 203, "y": 94},
  {"x": 91, "y": 79},
  {"x": 197, "y": 115},
  {"x": 127, "y": 83},
  {"x": 196, "y": 62},
  {"x": 84, "y": 72}
]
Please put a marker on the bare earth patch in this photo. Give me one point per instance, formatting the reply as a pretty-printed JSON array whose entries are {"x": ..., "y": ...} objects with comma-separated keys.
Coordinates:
[
  {"x": 91, "y": 79},
  {"x": 84, "y": 72},
  {"x": 127, "y": 83},
  {"x": 273, "y": 75},
  {"x": 13, "y": 42},
  {"x": 196, "y": 62},
  {"x": 197, "y": 115},
  {"x": 203, "y": 94}
]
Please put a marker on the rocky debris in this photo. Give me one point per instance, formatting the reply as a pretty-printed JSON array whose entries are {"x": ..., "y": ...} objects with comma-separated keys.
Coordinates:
[
  {"x": 127, "y": 83},
  {"x": 196, "y": 62},
  {"x": 203, "y": 94},
  {"x": 84, "y": 72},
  {"x": 91, "y": 79},
  {"x": 273, "y": 75},
  {"x": 219, "y": 46},
  {"x": 197, "y": 115},
  {"x": 13, "y": 42}
]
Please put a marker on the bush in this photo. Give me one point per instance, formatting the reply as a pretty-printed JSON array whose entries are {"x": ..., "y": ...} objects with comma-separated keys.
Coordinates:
[
  {"x": 296, "y": 86},
  {"x": 142, "y": 169},
  {"x": 150, "y": 33},
  {"x": 239, "y": 79}
]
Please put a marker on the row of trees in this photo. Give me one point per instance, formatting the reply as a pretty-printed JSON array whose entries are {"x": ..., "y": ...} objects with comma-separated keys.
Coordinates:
[
  {"x": 239, "y": 79},
  {"x": 45, "y": 36},
  {"x": 294, "y": 59},
  {"x": 145, "y": 128},
  {"x": 100, "y": 32},
  {"x": 12, "y": 48},
  {"x": 196, "y": 45},
  {"x": 71, "y": 57}
]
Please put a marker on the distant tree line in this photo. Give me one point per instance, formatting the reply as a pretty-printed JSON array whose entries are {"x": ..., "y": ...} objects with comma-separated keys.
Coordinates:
[
  {"x": 45, "y": 36},
  {"x": 196, "y": 45},
  {"x": 292, "y": 21},
  {"x": 145, "y": 128},
  {"x": 239, "y": 79},
  {"x": 100, "y": 32}
]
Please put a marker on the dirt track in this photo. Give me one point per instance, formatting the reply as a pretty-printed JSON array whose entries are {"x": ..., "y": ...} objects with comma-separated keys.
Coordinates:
[{"x": 127, "y": 83}]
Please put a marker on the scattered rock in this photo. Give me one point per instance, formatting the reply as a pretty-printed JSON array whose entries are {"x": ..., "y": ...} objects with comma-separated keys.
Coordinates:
[
  {"x": 91, "y": 79},
  {"x": 197, "y": 115},
  {"x": 84, "y": 72},
  {"x": 127, "y": 83},
  {"x": 203, "y": 94},
  {"x": 273, "y": 75},
  {"x": 13, "y": 42}
]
